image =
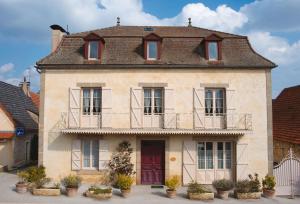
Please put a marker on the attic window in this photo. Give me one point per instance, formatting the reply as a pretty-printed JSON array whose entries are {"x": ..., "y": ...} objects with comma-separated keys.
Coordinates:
[
  {"x": 213, "y": 47},
  {"x": 213, "y": 51},
  {"x": 151, "y": 50},
  {"x": 93, "y": 50},
  {"x": 152, "y": 47},
  {"x": 93, "y": 47}
]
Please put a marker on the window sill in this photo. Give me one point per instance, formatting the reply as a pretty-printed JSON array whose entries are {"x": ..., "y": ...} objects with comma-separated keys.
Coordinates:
[
  {"x": 215, "y": 62},
  {"x": 89, "y": 172}
]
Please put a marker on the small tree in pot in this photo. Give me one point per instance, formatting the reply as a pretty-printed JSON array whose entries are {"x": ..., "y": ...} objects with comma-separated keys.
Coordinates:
[
  {"x": 223, "y": 186},
  {"x": 172, "y": 184},
  {"x": 268, "y": 184},
  {"x": 71, "y": 183},
  {"x": 22, "y": 185},
  {"x": 124, "y": 182}
]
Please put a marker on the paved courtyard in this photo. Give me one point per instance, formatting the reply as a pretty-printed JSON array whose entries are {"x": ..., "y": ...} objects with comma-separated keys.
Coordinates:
[{"x": 140, "y": 195}]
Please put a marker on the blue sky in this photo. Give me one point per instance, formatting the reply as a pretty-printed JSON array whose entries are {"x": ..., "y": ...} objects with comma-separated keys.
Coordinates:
[{"x": 271, "y": 25}]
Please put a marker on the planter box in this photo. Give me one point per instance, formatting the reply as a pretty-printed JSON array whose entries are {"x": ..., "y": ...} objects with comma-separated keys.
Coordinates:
[
  {"x": 201, "y": 196},
  {"x": 46, "y": 191},
  {"x": 100, "y": 196},
  {"x": 255, "y": 195}
]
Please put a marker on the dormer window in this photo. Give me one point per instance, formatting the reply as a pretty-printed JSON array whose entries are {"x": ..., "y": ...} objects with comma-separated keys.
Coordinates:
[
  {"x": 213, "y": 51},
  {"x": 93, "y": 50},
  {"x": 152, "y": 50},
  {"x": 213, "y": 47},
  {"x": 152, "y": 47},
  {"x": 93, "y": 47}
]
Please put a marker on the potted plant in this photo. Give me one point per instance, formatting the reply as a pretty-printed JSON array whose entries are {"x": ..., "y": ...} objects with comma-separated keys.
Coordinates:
[
  {"x": 71, "y": 183},
  {"x": 197, "y": 191},
  {"x": 223, "y": 186},
  {"x": 172, "y": 184},
  {"x": 100, "y": 193},
  {"x": 248, "y": 189},
  {"x": 22, "y": 185},
  {"x": 124, "y": 182},
  {"x": 268, "y": 184}
]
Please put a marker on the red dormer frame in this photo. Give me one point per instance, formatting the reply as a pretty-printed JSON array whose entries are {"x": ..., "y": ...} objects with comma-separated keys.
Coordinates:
[
  {"x": 213, "y": 38},
  {"x": 93, "y": 37},
  {"x": 150, "y": 38}
]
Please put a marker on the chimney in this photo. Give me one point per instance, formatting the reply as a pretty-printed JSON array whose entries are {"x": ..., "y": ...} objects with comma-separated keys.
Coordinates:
[
  {"x": 57, "y": 34},
  {"x": 25, "y": 86}
]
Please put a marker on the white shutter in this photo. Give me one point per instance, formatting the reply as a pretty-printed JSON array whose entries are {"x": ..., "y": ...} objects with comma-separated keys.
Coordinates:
[
  {"x": 199, "y": 107},
  {"x": 76, "y": 155},
  {"x": 106, "y": 115},
  {"x": 189, "y": 162},
  {"x": 103, "y": 154},
  {"x": 230, "y": 111},
  {"x": 169, "y": 109},
  {"x": 74, "y": 107},
  {"x": 242, "y": 160},
  {"x": 136, "y": 107}
]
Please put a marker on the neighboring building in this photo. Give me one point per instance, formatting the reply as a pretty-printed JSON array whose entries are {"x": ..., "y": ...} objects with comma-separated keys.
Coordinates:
[
  {"x": 192, "y": 102},
  {"x": 286, "y": 123},
  {"x": 18, "y": 125}
]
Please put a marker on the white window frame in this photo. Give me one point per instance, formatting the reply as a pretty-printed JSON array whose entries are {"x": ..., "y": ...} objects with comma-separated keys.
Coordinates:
[
  {"x": 214, "y": 108},
  {"x": 148, "y": 50},
  {"x": 91, "y": 154},
  {"x": 89, "y": 50},
  {"x": 208, "y": 50},
  {"x": 153, "y": 99},
  {"x": 91, "y": 100}
]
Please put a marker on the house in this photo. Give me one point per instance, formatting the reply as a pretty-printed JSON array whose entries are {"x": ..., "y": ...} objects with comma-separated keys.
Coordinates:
[
  {"x": 286, "y": 123},
  {"x": 192, "y": 102},
  {"x": 18, "y": 125}
]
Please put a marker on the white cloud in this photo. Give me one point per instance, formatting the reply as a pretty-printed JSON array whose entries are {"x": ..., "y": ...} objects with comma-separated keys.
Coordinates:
[{"x": 6, "y": 68}]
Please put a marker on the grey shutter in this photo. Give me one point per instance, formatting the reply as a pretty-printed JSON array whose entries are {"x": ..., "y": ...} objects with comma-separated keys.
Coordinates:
[
  {"x": 74, "y": 107},
  {"x": 136, "y": 107},
  {"x": 242, "y": 160},
  {"x": 231, "y": 116},
  {"x": 106, "y": 114},
  {"x": 103, "y": 154},
  {"x": 199, "y": 107},
  {"x": 76, "y": 155},
  {"x": 189, "y": 162},
  {"x": 170, "y": 119}
]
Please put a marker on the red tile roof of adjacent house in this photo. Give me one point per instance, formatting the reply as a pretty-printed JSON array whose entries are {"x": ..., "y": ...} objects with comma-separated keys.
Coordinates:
[
  {"x": 6, "y": 135},
  {"x": 286, "y": 115},
  {"x": 35, "y": 99}
]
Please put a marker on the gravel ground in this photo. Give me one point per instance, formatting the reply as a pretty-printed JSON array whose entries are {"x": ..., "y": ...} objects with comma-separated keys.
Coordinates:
[{"x": 139, "y": 195}]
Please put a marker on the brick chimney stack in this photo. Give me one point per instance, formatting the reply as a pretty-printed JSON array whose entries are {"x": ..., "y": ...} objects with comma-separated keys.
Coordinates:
[
  {"x": 57, "y": 34},
  {"x": 25, "y": 85}
]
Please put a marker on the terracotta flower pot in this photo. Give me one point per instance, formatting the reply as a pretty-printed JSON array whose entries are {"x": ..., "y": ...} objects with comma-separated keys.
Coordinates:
[
  {"x": 125, "y": 192},
  {"x": 171, "y": 193},
  {"x": 71, "y": 192},
  {"x": 21, "y": 187},
  {"x": 222, "y": 194},
  {"x": 268, "y": 193}
]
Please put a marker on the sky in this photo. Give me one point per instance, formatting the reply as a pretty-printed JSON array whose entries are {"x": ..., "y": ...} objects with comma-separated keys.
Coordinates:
[{"x": 272, "y": 26}]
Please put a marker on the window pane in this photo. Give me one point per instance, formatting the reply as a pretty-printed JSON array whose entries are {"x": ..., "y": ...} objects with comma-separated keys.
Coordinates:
[
  {"x": 219, "y": 101},
  {"x": 86, "y": 101},
  {"x": 157, "y": 100},
  {"x": 95, "y": 154},
  {"x": 220, "y": 155},
  {"x": 201, "y": 155},
  {"x": 208, "y": 102},
  {"x": 228, "y": 150},
  {"x": 152, "y": 50},
  {"x": 209, "y": 155},
  {"x": 213, "y": 50},
  {"x": 86, "y": 153},
  {"x": 97, "y": 101},
  {"x": 147, "y": 101},
  {"x": 93, "y": 49}
]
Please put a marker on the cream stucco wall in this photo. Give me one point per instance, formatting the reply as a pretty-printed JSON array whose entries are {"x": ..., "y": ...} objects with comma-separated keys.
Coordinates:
[
  {"x": 6, "y": 124},
  {"x": 250, "y": 87}
]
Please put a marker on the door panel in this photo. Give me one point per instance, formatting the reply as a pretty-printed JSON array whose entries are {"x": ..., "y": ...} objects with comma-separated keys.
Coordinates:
[{"x": 152, "y": 162}]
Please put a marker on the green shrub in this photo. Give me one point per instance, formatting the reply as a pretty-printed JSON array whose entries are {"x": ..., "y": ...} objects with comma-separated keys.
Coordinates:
[
  {"x": 249, "y": 186},
  {"x": 195, "y": 187},
  {"x": 35, "y": 175},
  {"x": 173, "y": 183},
  {"x": 71, "y": 181},
  {"x": 223, "y": 184},
  {"x": 254, "y": 183},
  {"x": 269, "y": 182},
  {"x": 243, "y": 186},
  {"x": 124, "y": 182},
  {"x": 97, "y": 190}
]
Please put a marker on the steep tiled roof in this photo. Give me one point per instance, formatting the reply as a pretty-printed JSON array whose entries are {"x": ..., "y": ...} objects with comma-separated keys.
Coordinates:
[
  {"x": 181, "y": 46},
  {"x": 17, "y": 104},
  {"x": 6, "y": 135},
  {"x": 35, "y": 99},
  {"x": 286, "y": 115}
]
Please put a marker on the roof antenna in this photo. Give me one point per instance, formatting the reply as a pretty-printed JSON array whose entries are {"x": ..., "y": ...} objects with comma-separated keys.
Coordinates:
[
  {"x": 190, "y": 22},
  {"x": 68, "y": 30},
  {"x": 118, "y": 21}
]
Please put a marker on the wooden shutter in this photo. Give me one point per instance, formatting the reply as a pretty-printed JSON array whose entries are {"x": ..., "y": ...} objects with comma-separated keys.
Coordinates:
[
  {"x": 169, "y": 109},
  {"x": 74, "y": 107},
  {"x": 189, "y": 161},
  {"x": 199, "y": 107},
  {"x": 76, "y": 155},
  {"x": 106, "y": 115},
  {"x": 242, "y": 160},
  {"x": 103, "y": 154},
  {"x": 136, "y": 109},
  {"x": 231, "y": 116}
]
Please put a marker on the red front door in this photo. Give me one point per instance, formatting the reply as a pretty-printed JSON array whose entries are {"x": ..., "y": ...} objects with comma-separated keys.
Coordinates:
[{"x": 153, "y": 162}]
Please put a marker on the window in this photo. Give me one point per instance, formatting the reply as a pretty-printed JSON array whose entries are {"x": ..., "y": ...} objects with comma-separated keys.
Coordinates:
[
  {"x": 214, "y": 102},
  {"x": 91, "y": 101},
  {"x": 213, "y": 51},
  {"x": 152, "y": 50},
  {"x": 153, "y": 98},
  {"x": 205, "y": 155},
  {"x": 93, "y": 50},
  {"x": 90, "y": 149}
]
